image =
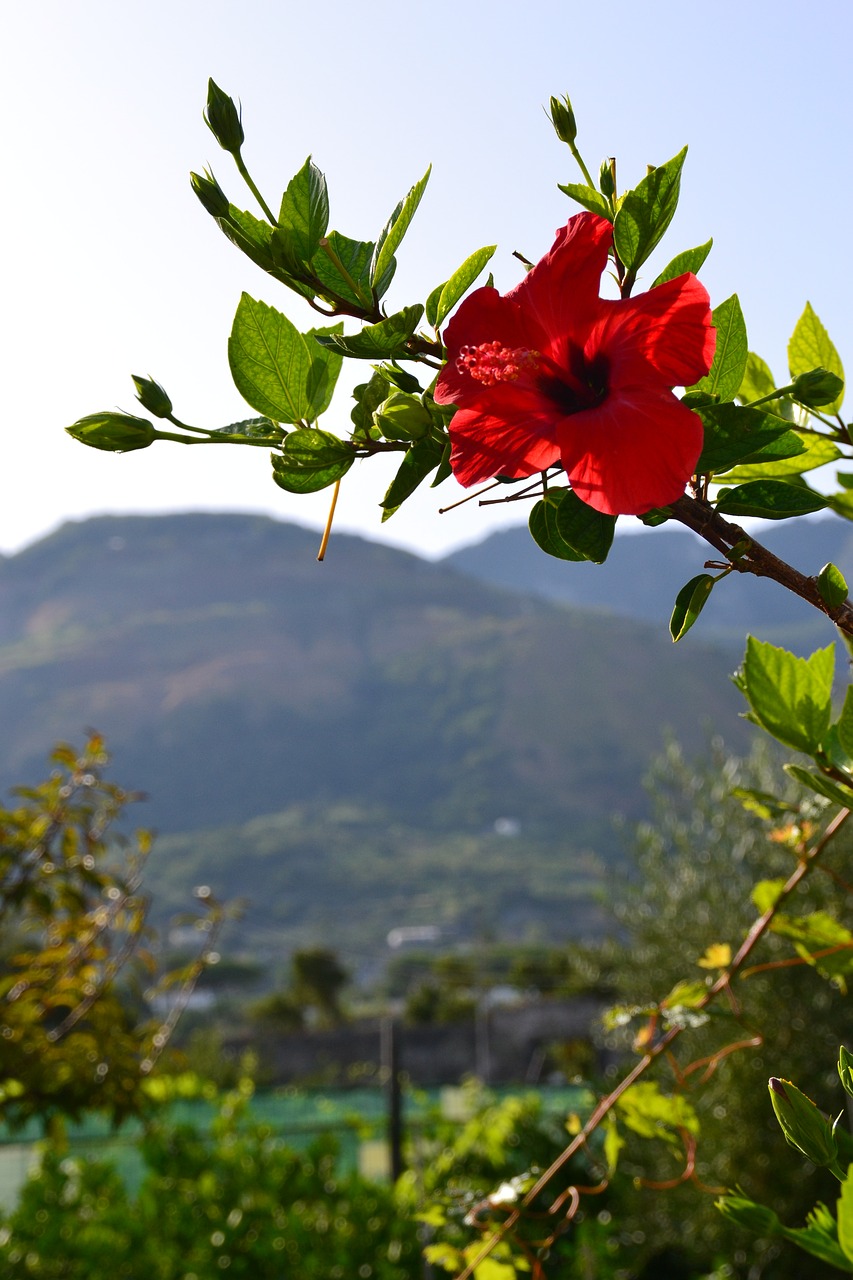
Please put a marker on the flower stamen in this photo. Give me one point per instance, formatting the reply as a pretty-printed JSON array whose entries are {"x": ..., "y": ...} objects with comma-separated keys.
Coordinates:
[{"x": 492, "y": 362}]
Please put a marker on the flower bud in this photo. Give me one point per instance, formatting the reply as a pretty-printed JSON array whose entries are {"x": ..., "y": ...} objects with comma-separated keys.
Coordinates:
[
  {"x": 152, "y": 397},
  {"x": 563, "y": 119},
  {"x": 804, "y": 1126},
  {"x": 210, "y": 194},
  {"x": 845, "y": 1069},
  {"x": 606, "y": 180},
  {"x": 749, "y": 1215},
  {"x": 115, "y": 432},
  {"x": 223, "y": 119},
  {"x": 817, "y": 387},
  {"x": 402, "y": 417}
]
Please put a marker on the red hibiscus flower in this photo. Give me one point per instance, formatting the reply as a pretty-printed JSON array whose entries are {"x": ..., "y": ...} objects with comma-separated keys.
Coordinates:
[{"x": 553, "y": 373}]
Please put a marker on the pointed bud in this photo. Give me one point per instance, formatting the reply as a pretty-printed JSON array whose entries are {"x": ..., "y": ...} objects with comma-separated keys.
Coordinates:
[
  {"x": 152, "y": 397},
  {"x": 804, "y": 1126},
  {"x": 749, "y": 1215},
  {"x": 115, "y": 432},
  {"x": 210, "y": 194},
  {"x": 563, "y": 119},
  {"x": 845, "y": 1069},
  {"x": 607, "y": 177},
  {"x": 223, "y": 119},
  {"x": 817, "y": 387}
]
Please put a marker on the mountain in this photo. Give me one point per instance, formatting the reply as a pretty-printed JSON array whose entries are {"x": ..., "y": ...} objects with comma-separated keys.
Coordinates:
[{"x": 645, "y": 571}]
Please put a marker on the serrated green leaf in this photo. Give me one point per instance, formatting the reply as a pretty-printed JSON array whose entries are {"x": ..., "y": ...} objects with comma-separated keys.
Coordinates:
[
  {"x": 725, "y": 376},
  {"x": 304, "y": 216},
  {"x": 270, "y": 362},
  {"x": 832, "y": 585},
  {"x": 343, "y": 268},
  {"x": 646, "y": 212},
  {"x": 431, "y": 308},
  {"x": 588, "y": 197},
  {"x": 817, "y": 1240},
  {"x": 460, "y": 282},
  {"x": 822, "y": 785},
  {"x": 311, "y": 460},
  {"x": 393, "y": 232},
  {"x": 588, "y": 532},
  {"x": 815, "y": 451},
  {"x": 734, "y": 433},
  {"x": 417, "y": 464},
  {"x": 543, "y": 528},
  {"x": 790, "y": 697},
  {"x": 770, "y": 500},
  {"x": 387, "y": 338},
  {"x": 810, "y": 347},
  {"x": 323, "y": 374},
  {"x": 757, "y": 381},
  {"x": 689, "y": 260},
  {"x": 689, "y": 603}
]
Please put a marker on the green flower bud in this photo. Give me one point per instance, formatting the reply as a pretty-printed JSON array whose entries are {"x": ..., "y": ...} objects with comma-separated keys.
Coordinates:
[
  {"x": 845, "y": 1069},
  {"x": 403, "y": 417},
  {"x": 749, "y": 1215},
  {"x": 817, "y": 387},
  {"x": 152, "y": 397},
  {"x": 210, "y": 194},
  {"x": 804, "y": 1126},
  {"x": 606, "y": 179},
  {"x": 115, "y": 432},
  {"x": 223, "y": 119},
  {"x": 563, "y": 119}
]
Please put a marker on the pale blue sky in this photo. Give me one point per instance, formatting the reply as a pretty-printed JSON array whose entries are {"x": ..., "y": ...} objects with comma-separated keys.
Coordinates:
[{"x": 111, "y": 267}]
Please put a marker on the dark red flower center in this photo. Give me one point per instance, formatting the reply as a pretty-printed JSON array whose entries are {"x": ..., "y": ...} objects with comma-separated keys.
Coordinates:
[{"x": 577, "y": 385}]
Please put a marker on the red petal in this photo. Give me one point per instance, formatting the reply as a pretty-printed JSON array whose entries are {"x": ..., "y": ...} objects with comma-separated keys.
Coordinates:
[
  {"x": 486, "y": 445},
  {"x": 631, "y": 453},
  {"x": 662, "y": 338},
  {"x": 562, "y": 290}
]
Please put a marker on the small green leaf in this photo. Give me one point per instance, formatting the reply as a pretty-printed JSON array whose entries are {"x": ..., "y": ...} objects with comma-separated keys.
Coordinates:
[
  {"x": 790, "y": 697},
  {"x": 810, "y": 347},
  {"x": 417, "y": 464},
  {"x": 734, "y": 433},
  {"x": 819, "y": 783},
  {"x": 387, "y": 338},
  {"x": 725, "y": 376},
  {"x": 253, "y": 429},
  {"x": 343, "y": 268},
  {"x": 844, "y": 724},
  {"x": 270, "y": 361},
  {"x": 844, "y": 1210},
  {"x": 304, "y": 216},
  {"x": 392, "y": 234},
  {"x": 459, "y": 283},
  {"x": 757, "y": 381},
  {"x": 832, "y": 585},
  {"x": 814, "y": 451},
  {"x": 646, "y": 212},
  {"x": 325, "y": 368},
  {"x": 587, "y": 531},
  {"x": 689, "y": 603},
  {"x": 766, "y": 893},
  {"x": 689, "y": 260},
  {"x": 588, "y": 197},
  {"x": 770, "y": 500},
  {"x": 613, "y": 1143},
  {"x": 543, "y": 528},
  {"x": 311, "y": 460},
  {"x": 652, "y": 1114}
]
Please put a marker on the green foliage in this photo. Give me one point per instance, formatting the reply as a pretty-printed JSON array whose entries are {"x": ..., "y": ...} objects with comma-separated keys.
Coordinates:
[
  {"x": 565, "y": 527},
  {"x": 725, "y": 376},
  {"x": 646, "y": 212},
  {"x": 689, "y": 260},
  {"x": 810, "y": 347}
]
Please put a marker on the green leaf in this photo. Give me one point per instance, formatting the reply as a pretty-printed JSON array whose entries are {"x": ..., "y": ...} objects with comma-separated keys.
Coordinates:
[
  {"x": 819, "y": 783},
  {"x": 459, "y": 283},
  {"x": 343, "y": 268},
  {"x": 689, "y": 260},
  {"x": 832, "y": 586},
  {"x": 766, "y": 893},
  {"x": 652, "y": 1114},
  {"x": 815, "y": 451},
  {"x": 810, "y": 347},
  {"x": 395, "y": 229},
  {"x": 325, "y": 367},
  {"x": 725, "y": 376},
  {"x": 543, "y": 528},
  {"x": 734, "y": 433},
  {"x": 771, "y": 500},
  {"x": 417, "y": 464},
  {"x": 311, "y": 460},
  {"x": 790, "y": 697},
  {"x": 588, "y": 197},
  {"x": 689, "y": 603},
  {"x": 844, "y": 1210},
  {"x": 613, "y": 1143},
  {"x": 387, "y": 338},
  {"x": 757, "y": 380},
  {"x": 586, "y": 531},
  {"x": 844, "y": 724},
  {"x": 253, "y": 429},
  {"x": 304, "y": 216},
  {"x": 646, "y": 212},
  {"x": 270, "y": 362},
  {"x": 817, "y": 1240}
]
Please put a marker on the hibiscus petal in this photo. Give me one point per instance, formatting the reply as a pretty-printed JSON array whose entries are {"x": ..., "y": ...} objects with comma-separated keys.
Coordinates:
[
  {"x": 484, "y": 316},
  {"x": 631, "y": 453},
  {"x": 662, "y": 338},
  {"x": 562, "y": 290},
  {"x": 487, "y": 444}
]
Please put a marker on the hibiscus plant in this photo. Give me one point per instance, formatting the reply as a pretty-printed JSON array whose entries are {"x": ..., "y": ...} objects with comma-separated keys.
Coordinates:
[{"x": 589, "y": 408}]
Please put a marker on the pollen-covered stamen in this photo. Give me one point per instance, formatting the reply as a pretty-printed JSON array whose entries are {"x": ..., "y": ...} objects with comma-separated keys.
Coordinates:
[{"x": 492, "y": 362}]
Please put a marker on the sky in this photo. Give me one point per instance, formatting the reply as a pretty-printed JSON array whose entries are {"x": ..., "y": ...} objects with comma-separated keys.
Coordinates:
[{"x": 112, "y": 268}]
